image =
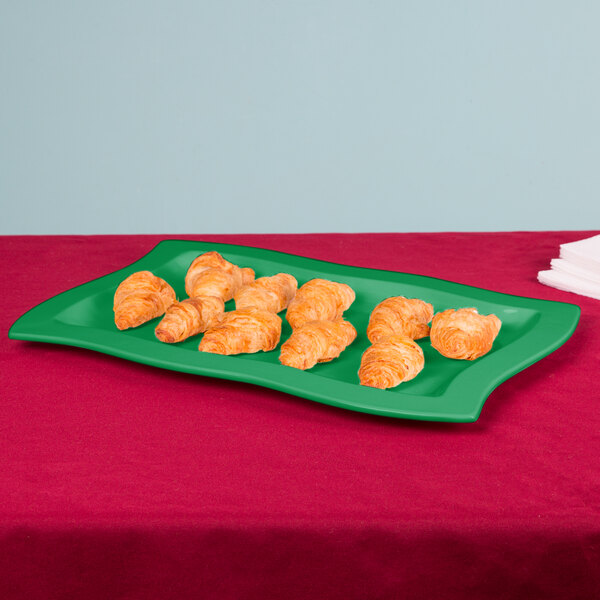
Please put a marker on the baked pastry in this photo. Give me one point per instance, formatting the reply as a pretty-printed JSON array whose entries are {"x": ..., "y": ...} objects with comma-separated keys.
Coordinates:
[
  {"x": 211, "y": 275},
  {"x": 316, "y": 341},
  {"x": 400, "y": 315},
  {"x": 268, "y": 293},
  {"x": 464, "y": 333},
  {"x": 141, "y": 297},
  {"x": 216, "y": 282},
  {"x": 240, "y": 331},
  {"x": 391, "y": 361},
  {"x": 319, "y": 300},
  {"x": 190, "y": 317}
]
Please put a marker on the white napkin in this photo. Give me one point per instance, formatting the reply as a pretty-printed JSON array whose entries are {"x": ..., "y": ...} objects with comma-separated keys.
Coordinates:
[
  {"x": 565, "y": 266},
  {"x": 584, "y": 253},
  {"x": 577, "y": 270}
]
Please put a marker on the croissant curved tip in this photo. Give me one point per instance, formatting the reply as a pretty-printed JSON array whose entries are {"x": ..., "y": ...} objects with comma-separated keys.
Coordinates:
[
  {"x": 212, "y": 347},
  {"x": 165, "y": 336},
  {"x": 248, "y": 275},
  {"x": 124, "y": 321},
  {"x": 373, "y": 337},
  {"x": 497, "y": 323},
  {"x": 294, "y": 360},
  {"x": 294, "y": 322},
  {"x": 373, "y": 382}
]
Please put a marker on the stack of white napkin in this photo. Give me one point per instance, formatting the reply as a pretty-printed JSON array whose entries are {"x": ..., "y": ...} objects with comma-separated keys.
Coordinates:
[{"x": 578, "y": 268}]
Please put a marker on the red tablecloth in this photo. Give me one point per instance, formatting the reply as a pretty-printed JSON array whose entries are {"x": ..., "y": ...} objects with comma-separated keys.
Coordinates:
[{"x": 120, "y": 480}]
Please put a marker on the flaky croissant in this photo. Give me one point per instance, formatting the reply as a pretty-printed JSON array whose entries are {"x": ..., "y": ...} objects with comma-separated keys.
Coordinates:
[
  {"x": 189, "y": 317},
  {"x": 316, "y": 341},
  {"x": 215, "y": 282},
  {"x": 400, "y": 315},
  {"x": 211, "y": 275},
  {"x": 240, "y": 331},
  {"x": 140, "y": 298},
  {"x": 268, "y": 293},
  {"x": 391, "y": 361},
  {"x": 319, "y": 300},
  {"x": 463, "y": 333}
]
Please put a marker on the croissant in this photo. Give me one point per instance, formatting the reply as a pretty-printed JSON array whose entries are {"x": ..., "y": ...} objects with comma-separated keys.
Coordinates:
[
  {"x": 319, "y": 300},
  {"x": 400, "y": 315},
  {"x": 140, "y": 298},
  {"x": 268, "y": 293},
  {"x": 464, "y": 334},
  {"x": 240, "y": 331},
  {"x": 190, "y": 317},
  {"x": 215, "y": 282},
  {"x": 211, "y": 275},
  {"x": 390, "y": 361},
  {"x": 316, "y": 341}
]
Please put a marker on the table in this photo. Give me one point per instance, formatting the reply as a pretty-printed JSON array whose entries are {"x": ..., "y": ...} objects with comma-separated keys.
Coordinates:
[{"x": 119, "y": 480}]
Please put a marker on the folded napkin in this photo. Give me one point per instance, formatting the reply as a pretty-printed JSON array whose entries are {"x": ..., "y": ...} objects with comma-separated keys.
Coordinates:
[
  {"x": 584, "y": 253},
  {"x": 577, "y": 270}
]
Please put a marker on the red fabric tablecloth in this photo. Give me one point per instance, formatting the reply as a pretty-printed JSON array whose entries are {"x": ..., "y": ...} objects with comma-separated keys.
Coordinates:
[{"x": 120, "y": 480}]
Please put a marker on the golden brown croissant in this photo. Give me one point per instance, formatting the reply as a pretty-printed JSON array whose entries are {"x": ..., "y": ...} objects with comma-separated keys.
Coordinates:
[
  {"x": 216, "y": 282},
  {"x": 464, "y": 334},
  {"x": 268, "y": 293},
  {"x": 390, "y": 361},
  {"x": 400, "y": 315},
  {"x": 211, "y": 275},
  {"x": 319, "y": 300},
  {"x": 243, "y": 331},
  {"x": 190, "y": 317},
  {"x": 140, "y": 298},
  {"x": 316, "y": 341}
]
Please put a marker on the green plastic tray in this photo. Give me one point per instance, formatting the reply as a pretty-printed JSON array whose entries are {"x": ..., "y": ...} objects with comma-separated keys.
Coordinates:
[{"x": 446, "y": 389}]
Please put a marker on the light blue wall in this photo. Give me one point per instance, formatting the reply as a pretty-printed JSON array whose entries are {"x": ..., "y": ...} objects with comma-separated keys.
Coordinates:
[{"x": 264, "y": 116}]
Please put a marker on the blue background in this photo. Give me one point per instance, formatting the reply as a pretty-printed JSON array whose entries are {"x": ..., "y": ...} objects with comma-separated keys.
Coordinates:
[{"x": 234, "y": 116}]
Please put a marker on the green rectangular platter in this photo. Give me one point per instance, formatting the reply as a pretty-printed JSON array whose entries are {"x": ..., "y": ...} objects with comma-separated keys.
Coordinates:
[{"x": 446, "y": 389}]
